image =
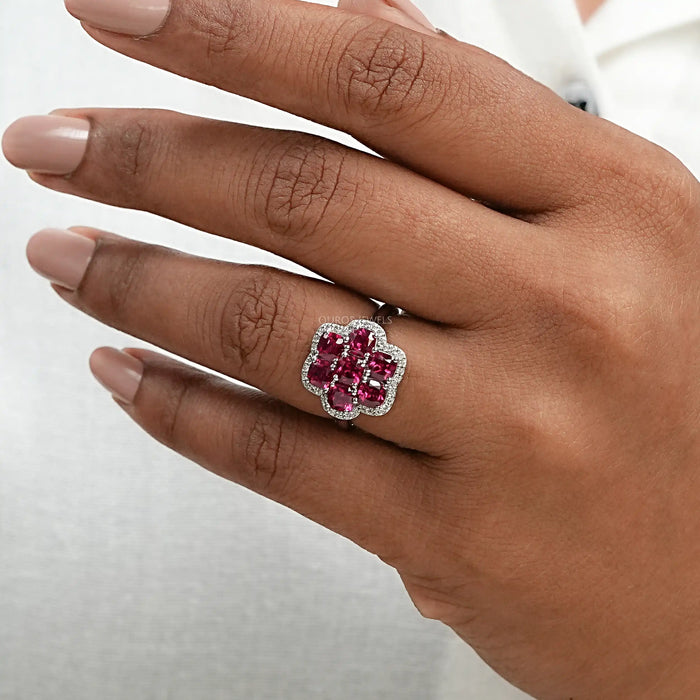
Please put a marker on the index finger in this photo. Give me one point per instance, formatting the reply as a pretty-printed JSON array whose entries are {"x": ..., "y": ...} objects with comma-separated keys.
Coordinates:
[{"x": 445, "y": 109}]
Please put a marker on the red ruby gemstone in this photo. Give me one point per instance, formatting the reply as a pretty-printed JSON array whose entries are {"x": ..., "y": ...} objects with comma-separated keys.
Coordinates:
[
  {"x": 362, "y": 340},
  {"x": 371, "y": 395},
  {"x": 348, "y": 371},
  {"x": 320, "y": 374},
  {"x": 381, "y": 366},
  {"x": 330, "y": 346},
  {"x": 340, "y": 398}
]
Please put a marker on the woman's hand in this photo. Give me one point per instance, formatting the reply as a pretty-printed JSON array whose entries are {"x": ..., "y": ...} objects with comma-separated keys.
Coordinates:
[{"x": 537, "y": 482}]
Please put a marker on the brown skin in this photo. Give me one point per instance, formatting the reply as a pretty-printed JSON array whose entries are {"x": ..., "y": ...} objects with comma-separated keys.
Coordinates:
[{"x": 544, "y": 500}]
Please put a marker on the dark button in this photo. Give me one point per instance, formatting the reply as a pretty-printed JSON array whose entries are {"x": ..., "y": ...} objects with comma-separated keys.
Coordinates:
[{"x": 579, "y": 94}]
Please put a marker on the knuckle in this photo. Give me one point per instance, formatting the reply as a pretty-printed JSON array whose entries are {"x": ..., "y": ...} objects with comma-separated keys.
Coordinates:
[
  {"x": 129, "y": 266},
  {"x": 559, "y": 311},
  {"x": 578, "y": 313},
  {"x": 301, "y": 183},
  {"x": 677, "y": 202},
  {"x": 598, "y": 322},
  {"x": 227, "y": 27},
  {"x": 139, "y": 143},
  {"x": 172, "y": 419},
  {"x": 269, "y": 451},
  {"x": 654, "y": 192},
  {"x": 383, "y": 73},
  {"x": 668, "y": 188},
  {"x": 255, "y": 320}
]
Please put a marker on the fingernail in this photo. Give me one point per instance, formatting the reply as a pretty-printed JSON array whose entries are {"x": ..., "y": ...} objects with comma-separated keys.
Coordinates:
[
  {"x": 118, "y": 372},
  {"x": 401, "y": 12},
  {"x": 46, "y": 144},
  {"x": 135, "y": 17},
  {"x": 60, "y": 256}
]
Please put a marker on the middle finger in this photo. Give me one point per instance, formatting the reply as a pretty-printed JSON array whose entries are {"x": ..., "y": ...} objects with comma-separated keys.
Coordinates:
[{"x": 359, "y": 220}]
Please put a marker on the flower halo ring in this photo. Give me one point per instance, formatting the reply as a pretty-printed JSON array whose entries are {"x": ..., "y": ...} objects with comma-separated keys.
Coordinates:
[{"x": 353, "y": 369}]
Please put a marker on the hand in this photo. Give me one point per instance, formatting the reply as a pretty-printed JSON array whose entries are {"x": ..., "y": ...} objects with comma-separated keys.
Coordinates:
[{"x": 536, "y": 483}]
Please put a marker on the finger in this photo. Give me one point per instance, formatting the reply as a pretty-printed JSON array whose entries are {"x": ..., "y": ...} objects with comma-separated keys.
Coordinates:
[
  {"x": 401, "y": 12},
  {"x": 361, "y": 221},
  {"x": 252, "y": 323},
  {"x": 358, "y": 486},
  {"x": 448, "y": 110}
]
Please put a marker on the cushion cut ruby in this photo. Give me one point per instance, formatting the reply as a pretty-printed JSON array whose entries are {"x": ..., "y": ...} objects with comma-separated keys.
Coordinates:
[
  {"x": 340, "y": 398},
  {"x": 330, "y": 345},
  {"x": 320, "y": 374},
  {"x": 381, "y": 366},
  {"x": 348, "y": 371},
  {"x": 362, "y": 340},
  {"x": 371, "y": 394}
]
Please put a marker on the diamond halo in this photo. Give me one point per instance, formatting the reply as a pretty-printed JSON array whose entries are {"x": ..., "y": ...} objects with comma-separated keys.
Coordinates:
[{"x": 354, "y": 369}]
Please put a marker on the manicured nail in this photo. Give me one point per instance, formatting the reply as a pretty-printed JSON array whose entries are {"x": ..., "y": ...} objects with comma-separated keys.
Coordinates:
[
  {"x": 46, "y": 144},
  {"x": 118, "y": 372},
  {"x": 401, "y": 12},
  {"x": 135, "y": 17},
  {"x": 61, "y": 256}
]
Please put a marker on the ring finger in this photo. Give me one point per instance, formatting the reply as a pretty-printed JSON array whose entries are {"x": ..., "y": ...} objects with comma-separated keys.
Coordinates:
[{"x": 249, "y": 322}]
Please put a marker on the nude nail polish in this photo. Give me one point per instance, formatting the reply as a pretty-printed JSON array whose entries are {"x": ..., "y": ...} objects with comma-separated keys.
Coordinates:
[
  {"x": 401, "y": 12},
  {"x": 47, "y": 143},
  {"x": 60, "y": 256},
  {"x": 133, "y": 17},
  {"x": 119, "y": 373}
]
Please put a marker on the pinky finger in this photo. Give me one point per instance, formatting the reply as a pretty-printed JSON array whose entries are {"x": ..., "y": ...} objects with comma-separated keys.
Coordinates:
[{"x": 348, "y": 481}]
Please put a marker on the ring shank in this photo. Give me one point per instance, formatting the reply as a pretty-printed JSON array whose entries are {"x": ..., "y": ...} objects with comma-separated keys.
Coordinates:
[{"x": 385, "y": 313}]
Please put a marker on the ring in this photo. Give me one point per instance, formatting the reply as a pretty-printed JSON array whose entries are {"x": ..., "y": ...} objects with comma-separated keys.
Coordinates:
[{"x": 353, "y": 368}]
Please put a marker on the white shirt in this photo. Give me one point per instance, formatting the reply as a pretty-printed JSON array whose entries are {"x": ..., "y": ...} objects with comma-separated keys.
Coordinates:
[{"x": 127, "y": 572}]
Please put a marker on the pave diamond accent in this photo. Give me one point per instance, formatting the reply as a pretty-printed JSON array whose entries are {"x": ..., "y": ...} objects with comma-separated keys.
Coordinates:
[{"x": 353, "y": 369}]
